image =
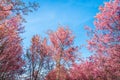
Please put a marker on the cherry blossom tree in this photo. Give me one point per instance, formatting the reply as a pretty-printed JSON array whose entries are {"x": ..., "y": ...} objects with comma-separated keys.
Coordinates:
[
  {"x": 105, "y": 41},
  {"x": 39, "y": 59},
  {"x": 105, "y": 44},
  {"x": 10, "y": 47},
  {"x": 62, "y": 48},
  {"x": 11, "y": 50}
]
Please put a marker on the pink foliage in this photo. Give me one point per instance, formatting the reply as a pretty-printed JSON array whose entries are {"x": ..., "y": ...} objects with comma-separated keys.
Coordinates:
[
  {"x": 61, "y": 44},
  {"x": 104, "y": 64},
  {"x": 10, "y": 46}
]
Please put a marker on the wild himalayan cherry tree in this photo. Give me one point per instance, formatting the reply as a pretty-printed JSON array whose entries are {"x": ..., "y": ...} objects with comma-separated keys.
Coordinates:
[
  {"x": 10, "y": 48},
  {"x": 10, "y": 41},
  {"x": 105, "y": 43},
  {"x": 39, "y": 59},
  {"x": 62, "y": 49}
]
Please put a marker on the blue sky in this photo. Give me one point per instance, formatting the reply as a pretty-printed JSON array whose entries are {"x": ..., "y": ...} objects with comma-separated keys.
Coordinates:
[{"x": 72, "y": 13}]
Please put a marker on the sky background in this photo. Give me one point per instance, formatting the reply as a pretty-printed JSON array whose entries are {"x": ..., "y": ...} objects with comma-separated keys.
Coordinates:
[{"x": 74, "y": 14}]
